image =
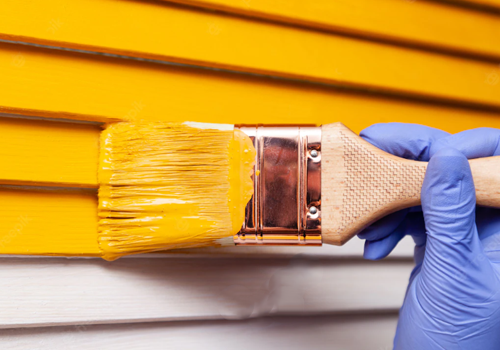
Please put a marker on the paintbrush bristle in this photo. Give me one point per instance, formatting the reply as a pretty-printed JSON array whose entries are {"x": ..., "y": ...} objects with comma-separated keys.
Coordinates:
[{"x": 170, "y": 185}]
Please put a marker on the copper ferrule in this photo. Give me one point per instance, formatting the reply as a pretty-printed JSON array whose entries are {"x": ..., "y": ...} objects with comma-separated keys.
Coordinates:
[{"x": 286, "y": 205}]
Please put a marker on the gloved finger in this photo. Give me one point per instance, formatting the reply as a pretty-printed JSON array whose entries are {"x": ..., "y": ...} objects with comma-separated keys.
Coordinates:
[
  {"x": 448, "y": 203},
  {"x": 383, "y": 227},
  {"x": 379, "y": 249},
  {"x": 412, "y": 224},
  {"x": 454, "y": 265},
  {"x": 474, "y": 143},
  {"x": 415, "y": 227},
  {"x": 410, "y": 141}
]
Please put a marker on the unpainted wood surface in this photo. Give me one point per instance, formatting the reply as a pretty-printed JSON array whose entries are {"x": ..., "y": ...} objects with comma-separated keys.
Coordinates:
[{"x": 361, "y": 183}]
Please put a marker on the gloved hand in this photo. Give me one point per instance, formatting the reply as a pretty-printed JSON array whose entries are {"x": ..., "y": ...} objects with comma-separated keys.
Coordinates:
[{"x": 453, "y": 298}]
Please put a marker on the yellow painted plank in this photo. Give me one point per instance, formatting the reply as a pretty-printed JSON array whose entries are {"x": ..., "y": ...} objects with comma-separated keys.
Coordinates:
[
  {"x": 48, "y": 153},
  {"x": 62, "y": 84},
  {"x": 426, "y": 23},
  {"x": 45, "y": 222},
  {"x": 158, "y": 30}
]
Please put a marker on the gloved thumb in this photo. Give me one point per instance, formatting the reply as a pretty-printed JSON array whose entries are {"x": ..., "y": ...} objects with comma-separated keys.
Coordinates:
[{"x": 454, "y": 262}]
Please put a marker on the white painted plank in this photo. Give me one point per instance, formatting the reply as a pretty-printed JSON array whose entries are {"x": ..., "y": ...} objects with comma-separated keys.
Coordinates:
[
  {"x": 41, "y": 292},
  {"x": 290, "y": 333}
]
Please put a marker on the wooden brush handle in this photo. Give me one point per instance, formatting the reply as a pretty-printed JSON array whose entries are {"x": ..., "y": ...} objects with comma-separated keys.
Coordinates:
[{"x": 361, "y": 183}]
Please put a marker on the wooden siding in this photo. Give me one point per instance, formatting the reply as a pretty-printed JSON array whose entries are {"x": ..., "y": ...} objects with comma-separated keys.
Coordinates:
[{"x": 69, "y": 67}]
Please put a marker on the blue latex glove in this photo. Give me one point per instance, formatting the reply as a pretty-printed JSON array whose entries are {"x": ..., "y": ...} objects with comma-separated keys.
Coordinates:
[{"x": 453, "y": 299}]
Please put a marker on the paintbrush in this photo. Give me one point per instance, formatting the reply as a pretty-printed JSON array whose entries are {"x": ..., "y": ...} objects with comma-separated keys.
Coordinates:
[{"x": 171, "y": 185}]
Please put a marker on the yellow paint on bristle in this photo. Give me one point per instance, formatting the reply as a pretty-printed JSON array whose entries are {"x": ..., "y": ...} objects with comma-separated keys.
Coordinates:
[{"x": 170, "y": 185}]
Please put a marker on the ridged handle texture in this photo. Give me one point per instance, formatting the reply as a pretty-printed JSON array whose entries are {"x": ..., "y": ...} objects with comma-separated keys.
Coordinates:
[{"x": 361, "y": 183}]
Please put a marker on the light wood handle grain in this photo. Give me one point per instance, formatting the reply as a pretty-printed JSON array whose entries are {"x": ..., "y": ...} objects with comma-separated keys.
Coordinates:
[{"x": 361, "y": 183}]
